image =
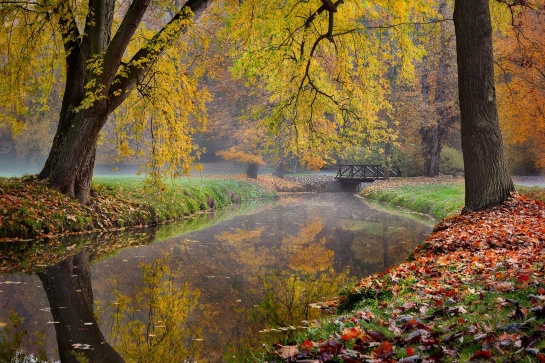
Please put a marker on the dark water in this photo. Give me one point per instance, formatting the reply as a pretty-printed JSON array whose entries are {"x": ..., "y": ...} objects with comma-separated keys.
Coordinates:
[{"x": 204, "y": 295}]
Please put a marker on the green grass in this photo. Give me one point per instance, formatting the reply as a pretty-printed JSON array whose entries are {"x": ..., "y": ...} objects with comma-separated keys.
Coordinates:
[
  {"x": 436, "y": 200},
  {"x": 182, "y": 197},
  {"x": 29, "y": 209}
]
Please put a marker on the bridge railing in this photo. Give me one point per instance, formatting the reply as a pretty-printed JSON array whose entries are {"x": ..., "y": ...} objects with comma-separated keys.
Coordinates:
[{"x": 371, "y": 172}]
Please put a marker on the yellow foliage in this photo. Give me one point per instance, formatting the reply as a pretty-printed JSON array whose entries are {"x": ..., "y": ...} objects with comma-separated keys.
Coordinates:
[
  {"x": 167, "y": 110},
  {"x": 326, "y": 86},
  {"x": 162, "y": 334}
]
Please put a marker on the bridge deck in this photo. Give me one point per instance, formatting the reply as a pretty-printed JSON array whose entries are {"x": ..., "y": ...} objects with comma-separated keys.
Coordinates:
[{"x": 363, "y": 173}]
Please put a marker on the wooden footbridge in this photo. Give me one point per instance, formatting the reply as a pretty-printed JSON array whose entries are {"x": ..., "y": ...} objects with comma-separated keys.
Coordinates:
[{"x": 363, "y": 173}]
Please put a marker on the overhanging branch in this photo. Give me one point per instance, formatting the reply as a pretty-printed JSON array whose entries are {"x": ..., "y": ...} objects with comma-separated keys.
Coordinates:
[{"x": 125, "y": 81}]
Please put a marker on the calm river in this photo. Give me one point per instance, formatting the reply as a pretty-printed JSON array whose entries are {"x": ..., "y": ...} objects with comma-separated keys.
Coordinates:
[{"x": 175, "y": 296}]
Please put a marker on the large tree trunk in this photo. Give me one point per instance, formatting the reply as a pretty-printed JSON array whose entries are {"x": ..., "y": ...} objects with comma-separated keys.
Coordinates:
[
  {"x": 97, "y": 82},
  {"x": 70, "y": 294},
  {"x": 488, "y": 181},
  {"x": 69, "y": 166}
]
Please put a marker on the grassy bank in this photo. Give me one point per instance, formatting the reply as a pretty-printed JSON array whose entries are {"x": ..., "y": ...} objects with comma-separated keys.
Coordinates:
[
  {"x": 474, "y": 291},
  {"x": 437, "y": 197},
  {"x": 29, "y": 209}
]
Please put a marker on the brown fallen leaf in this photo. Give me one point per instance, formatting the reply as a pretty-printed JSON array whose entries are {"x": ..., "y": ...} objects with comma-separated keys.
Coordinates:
[{"x": 287, "y": 351}]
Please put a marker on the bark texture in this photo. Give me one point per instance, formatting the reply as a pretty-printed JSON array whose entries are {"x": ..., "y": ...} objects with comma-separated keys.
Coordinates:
[
  {"x": 69, "y": 166},
  {"x": 488, "y": 181},
  {"x": 70, "y": 294}
]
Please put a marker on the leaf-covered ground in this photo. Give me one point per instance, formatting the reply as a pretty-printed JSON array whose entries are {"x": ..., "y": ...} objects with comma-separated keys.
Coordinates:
[
  {"x": 474, "y": 291},
  {"x": 30, "y": 209}
]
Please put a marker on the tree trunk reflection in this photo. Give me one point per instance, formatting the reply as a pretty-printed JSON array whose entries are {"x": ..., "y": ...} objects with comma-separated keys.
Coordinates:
[{"x": 70, "y": 294}]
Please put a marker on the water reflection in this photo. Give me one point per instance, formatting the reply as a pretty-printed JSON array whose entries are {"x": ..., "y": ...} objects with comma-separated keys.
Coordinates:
[
  {"x": 70, "y": 295},
  {"x": 206, "y": 294}
]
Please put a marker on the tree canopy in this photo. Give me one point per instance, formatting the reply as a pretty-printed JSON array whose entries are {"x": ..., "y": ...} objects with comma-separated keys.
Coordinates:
[{"x": 329, "y": 75}]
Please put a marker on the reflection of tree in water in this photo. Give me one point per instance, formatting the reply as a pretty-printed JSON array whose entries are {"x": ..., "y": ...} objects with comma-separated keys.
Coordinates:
[
  {"x": 371, "y": 246},
  {"x": 301, "y": 274},
  {"x": 309, "y": 247},
  {"x": 284, "y": 302},
  {"x": 13, "y": 337},
  {"x": 306, "y": 251},
  {"x": 303, "y": 251},
  {"x": 153, "y": 326},
  {"x": 287, "y": 297},
  {"x": 70, "y": 294}
]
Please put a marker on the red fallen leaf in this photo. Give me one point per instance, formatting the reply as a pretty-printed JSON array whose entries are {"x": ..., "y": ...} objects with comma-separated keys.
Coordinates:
[
  {"x": 540, "y": 357},
  {"x": 376, "y": 335},
  {"x": 522, "y": 278},
  {"x": 410, "y": 351},
  {"x": 331, "y": 346},
  {"x": 351, "y": 333},
  {"x": 427, "y": 341},
  {"x": 481, "y": 354},
  {"x": 384, "y": 351},
  {"x": 307, "y": 344}
]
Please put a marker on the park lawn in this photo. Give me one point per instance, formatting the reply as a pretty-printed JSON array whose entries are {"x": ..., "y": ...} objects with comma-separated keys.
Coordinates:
[
  {"x": 29, "y": 209},
  {"x": 474, "y": 291},
  {"x": 438, "y": 197}
]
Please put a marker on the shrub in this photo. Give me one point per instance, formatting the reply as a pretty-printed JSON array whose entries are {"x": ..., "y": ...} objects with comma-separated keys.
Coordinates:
[{"x": 452, "y": 161}]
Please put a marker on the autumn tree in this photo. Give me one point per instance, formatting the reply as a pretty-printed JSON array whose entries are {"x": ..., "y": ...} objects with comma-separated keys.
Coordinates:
[
  {"x": 323, "y": 66},
  {"x": 520, "y": 76},
  {"x": 231, "y": 122},
  {"x": 439, "y": 90},
  {"x": 105, "y": 59},
  {"x": 487, "y": 178},
  {"x": 155, "y": 325}
]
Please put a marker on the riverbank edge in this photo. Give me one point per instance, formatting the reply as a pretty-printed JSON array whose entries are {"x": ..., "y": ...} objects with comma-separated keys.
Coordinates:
[
  {"x": 473, "y": 291},
  {"x": 29, "y": 209},
  {"x": 440, "y": 197}
]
